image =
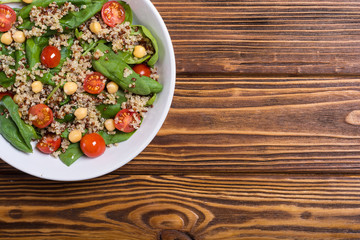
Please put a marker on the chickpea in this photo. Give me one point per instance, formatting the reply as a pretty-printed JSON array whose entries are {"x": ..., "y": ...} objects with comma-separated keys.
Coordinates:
[
  {"x": 112, "y": 87},
  {"x": 19, "y": 36},
  {"x": 139, "y": 51},
  {"x": 17, "y": 99},
  {"x": 75, "y": 136},
  {"x": 37, "y": 86},
  {"x": 70, "y": 88},
  {"x": 80, "y": 113},
  {"x": 6, "y": 38},
  {"x": 95, "y": 27},
  {"x": 110, "y": 124},
  {"x": 28, "y": 1}
]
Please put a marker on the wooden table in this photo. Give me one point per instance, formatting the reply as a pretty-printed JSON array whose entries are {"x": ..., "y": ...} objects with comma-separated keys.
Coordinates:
[{"x": 256, "y": 145}]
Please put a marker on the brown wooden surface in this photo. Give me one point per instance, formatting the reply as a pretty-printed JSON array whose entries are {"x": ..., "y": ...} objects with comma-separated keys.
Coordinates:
[{"x": 255, "y": 146}]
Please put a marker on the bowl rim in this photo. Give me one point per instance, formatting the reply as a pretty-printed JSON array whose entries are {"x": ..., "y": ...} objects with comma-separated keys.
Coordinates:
[{"x": 169, "y": 46}]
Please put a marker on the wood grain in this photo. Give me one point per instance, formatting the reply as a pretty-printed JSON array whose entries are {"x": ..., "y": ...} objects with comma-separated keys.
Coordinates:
[
  {"x": 276, "y": 36},
  {"x": 235, "y": 124},
  {"x": 203, "y": 207},
  {"x": 263, "y": 89}
]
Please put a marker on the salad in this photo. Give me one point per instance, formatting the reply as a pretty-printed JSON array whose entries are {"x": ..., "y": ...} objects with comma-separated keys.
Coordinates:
[{"x": 75, "y": 76}]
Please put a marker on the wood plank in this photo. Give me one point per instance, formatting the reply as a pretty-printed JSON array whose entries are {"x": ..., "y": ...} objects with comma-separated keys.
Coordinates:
[
  {"x": 228, "y": 124},
  {"x": 205, "y": 207},
  {"x": 294, "y": 37},
  {"x": 234, "y": 124}
]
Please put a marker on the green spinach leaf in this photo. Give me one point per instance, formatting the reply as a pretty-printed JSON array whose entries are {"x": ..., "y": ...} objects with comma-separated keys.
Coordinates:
[
  {"x": 72, "y": 154},
  {"x": 112, "y": 66},
  {"x": 146, "y": 33},
  {"x": 115, "y": 138}
]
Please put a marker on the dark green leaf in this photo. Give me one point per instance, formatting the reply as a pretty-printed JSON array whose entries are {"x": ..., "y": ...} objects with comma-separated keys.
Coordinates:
[
  {"x": 65, "y": 134},
  {"x": 146, "y": 33},
  {"x": 112, "y": 66},
  {"x": 34, "y": 47},
  {"x": 115, "y": 138},
  {"x": 27, "y": 131},
  {"x": 78, "y": 34},
  {"x": 66, "y": 100},
  {"x": 128, "y": 12},
  {"x": 68, "y": 118},
  {"x": 151, "y": 100},
  {"x": 73, "y": 153},
  {"x": 6, "y": 81},
  {"x": 109, "y": 111},
  {"x": 22, "y": 134},
  {"x": 10, "y": 132},
  {"x": 74, "y": 19}
]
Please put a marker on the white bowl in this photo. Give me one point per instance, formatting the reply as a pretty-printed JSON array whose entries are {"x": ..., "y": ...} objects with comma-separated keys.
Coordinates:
[{"x": 47, "y": 167}]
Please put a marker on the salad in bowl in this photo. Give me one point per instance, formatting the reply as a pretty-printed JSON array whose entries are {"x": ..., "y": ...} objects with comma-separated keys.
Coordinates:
[{"x": 76, "y": 76}]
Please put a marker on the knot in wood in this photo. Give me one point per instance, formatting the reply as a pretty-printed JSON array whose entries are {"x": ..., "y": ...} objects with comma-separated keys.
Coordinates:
[{"x": 174, "y": 235}]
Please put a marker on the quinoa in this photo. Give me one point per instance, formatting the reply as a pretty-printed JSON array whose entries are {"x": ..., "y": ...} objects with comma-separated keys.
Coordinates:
[
  {"x": 121, "y": 36},
  {"x": 60, "y": 40},
  {"x": 127, "y": 72},
  {"x": 49, "y": 17}
]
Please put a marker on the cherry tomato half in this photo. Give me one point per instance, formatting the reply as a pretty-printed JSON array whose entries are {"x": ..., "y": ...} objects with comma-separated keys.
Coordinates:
[
  {"x": 49, "y": 143},
  {"x": 123, "y": 120},
  {"x": 7, "y": 18},
  {"x": 94, "y": 83},
  {"x": 50, "y": 56},
  {"x": 92, "y": 145},
  {"x": 142, "y": 69},
  {"x": 43, "y": 115},
  {"x": 6, "y": 94},
  {"x": 113, "y": 13}
]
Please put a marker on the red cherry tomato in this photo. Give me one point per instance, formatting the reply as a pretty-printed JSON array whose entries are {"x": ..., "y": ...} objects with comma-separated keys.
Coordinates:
[
  {"x": 49, "y": 143},
  {"x": 113, "y": 13},
  {"x": 50, "y": 56},
  {"x": 6, "y": 94},
  {"x": 142, "y": 69},
  {"x": 94, "y": 83},
  {"x": 92, "y": 145},
  {"x": 123, "y": 120},
  {"x": 7, "y": 18},
  {"x": 43, "y": 115}
]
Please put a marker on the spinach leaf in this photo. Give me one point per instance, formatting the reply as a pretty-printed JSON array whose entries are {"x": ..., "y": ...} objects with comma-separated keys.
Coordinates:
[
  {"x": 128, "y": 12},
  {"x": 19, "y": 55},
  {"x": 151, "y": 100},
  {"x": 27, "y": 131},
  {"x": 25, "y": 11},
  {"x": 146, "y": 33},
  {"x": 65, "y": 53},
  {"x": 65, "y": 133},
  {"x": 112, "y": 66},
  {"x": 78, "y": 34},
  {"x": 130, "y": 59},
  {"x": 74, "y": 19},
  {"x": 23, "y": 133},
  {"x": 110, "y": 110},
  {"x": 88, "y": 47},
  {"x": 65, "y": 101},
  {"x": 6, "y": 81},
  {"x": 73, "y": 153},
  {"x": 11, "y": 133},
  {"x": 68, "y": 118},
  {"x": 115, "y": 138},
  {"x": 34, "y": 47},
  {"x": 70, "y": 21}
]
